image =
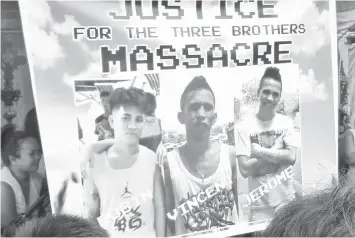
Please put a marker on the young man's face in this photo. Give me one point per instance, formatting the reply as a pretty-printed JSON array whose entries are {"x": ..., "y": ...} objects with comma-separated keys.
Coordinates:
[
  {"x": 29, "y": 155},
  {"x": 127, "y": 123},
  {"x": 105, "y": 102},
  {"x": 198, "y": 113},
  {"x": 270, "y": 94}
]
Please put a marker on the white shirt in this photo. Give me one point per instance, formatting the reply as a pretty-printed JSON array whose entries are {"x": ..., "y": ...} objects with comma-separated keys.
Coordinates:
[{"x": 126, "y": 195}]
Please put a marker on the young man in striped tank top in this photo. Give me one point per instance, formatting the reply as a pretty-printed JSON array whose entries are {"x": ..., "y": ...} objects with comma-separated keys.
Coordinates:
[{"x": 200, "y": 183}]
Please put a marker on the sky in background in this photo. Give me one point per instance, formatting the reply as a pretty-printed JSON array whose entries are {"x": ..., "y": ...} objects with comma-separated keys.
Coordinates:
[{"x": 56, "y": 61}]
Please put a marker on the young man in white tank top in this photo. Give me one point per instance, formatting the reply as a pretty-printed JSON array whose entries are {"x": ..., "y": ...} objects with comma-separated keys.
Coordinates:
[
  {"x": 123, "y": 188},
  {"x": 199, "y": 177}
]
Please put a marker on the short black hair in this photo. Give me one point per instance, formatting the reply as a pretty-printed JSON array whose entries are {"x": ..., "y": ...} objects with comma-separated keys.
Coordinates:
[
  {"x": 328, "y": 213},
  {"x": 104, "y": 94},
  {"x": 198, "y": 82},
  {"x": 60, "y": 225},
  {"x": 131, "y": 96},
  {"x": 12, "y": 145},
  {"x": 152, "y": 103},
  {"x": 270, "y": 72}
]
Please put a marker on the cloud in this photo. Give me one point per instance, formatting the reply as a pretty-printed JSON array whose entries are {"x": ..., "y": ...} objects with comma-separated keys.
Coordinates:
[
  {"x": 317, "y": 25},
  {"x": 311, "y": 90},
  {"x": 43, "y": 32}
]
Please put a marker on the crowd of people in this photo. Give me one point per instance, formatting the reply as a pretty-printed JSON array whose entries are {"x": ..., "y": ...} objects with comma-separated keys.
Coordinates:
[{"x": 133, "y": 187}]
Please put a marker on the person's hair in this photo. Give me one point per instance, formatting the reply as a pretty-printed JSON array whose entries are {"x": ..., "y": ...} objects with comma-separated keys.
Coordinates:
[
  {"x": 328, "y": 213},
  {"x": 197, "y": 83},
  {"x": 31, "y": 124},
  {"x": 270, "y": 72},
  {"x": 152, "y": 103},
  {"x": 128, "y": 97},
  {"x": 60, "y": 226},
  {"x": 12, "y": 146},
  {"x": 104, "y": 94}
]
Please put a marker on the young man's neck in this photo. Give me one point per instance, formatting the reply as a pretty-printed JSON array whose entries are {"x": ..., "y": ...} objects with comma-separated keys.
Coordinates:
[
  {"x": 266, "y": 115},
  {"x": 19, "y": 175},
  {"x": 197, "y": 148},
  {"x": 124, "y": 149}
]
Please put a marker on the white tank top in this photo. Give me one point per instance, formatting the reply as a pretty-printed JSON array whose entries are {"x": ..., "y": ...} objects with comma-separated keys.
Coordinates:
[
  {"x": 209, "y": 203},
  {"x": 126, "y": 196},
  {"x": 35, "y": 189}
]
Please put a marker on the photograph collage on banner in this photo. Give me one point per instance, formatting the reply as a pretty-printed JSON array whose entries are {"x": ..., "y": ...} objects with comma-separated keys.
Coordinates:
[
  {"x": 220, "y": 120},
  {"x": 346, "y": 76}
]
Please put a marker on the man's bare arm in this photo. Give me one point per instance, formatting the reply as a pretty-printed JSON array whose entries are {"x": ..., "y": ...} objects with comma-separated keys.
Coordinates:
[
  {"x": 91, "y": 200},
  {"x": 285, "y": 156},
  {"x": 159, "y": 204},
  {"x": 254, "y": 167}
]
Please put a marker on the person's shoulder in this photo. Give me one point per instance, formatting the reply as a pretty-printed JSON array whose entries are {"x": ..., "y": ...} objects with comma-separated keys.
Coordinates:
[
  {"x": 248, "y": 119},
  {"x": 6, "y": 189}
]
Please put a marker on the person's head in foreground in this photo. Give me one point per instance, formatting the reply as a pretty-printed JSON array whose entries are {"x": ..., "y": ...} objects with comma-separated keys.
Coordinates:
[
  {"x": 329, "y": 213},
  {"x": 60, "y": 226},
  {"x": 197, "y": 105},
  {"x": 128, "y": 109},
  {"x": 269, "y": 92},
  {"x": 23, "y": 153}
]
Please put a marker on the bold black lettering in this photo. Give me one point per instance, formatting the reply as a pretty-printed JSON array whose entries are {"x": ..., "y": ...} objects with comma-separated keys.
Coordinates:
[
  {"x": 301, "y": 29},
  {"x": 211, "y": 58},
  {"x": 107, "y": 56},
  {"x": 223, "y": 10},
  {"x": 293, "y": 29},
  {"x": 240, "y": 12},
  {"x": 174, "y": 60},
  {"x": 234, "y": 54},
  {"x": 278, "y": 53},
  {"x": 155, "y": 10},
  {"x": 149, "y": 61},
  {"x": 180, "y": 12},
  {"x": 257, "y": 55},
  {"x": 262, "y": 7},
  {"x": 186, "y": 52},
  {"x": 199, "y": 9},
  {"x": 129, "y": 12}
]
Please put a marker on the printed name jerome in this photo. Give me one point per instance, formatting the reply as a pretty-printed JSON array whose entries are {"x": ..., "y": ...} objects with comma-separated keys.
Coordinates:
[{"x": 271, "y": 184}]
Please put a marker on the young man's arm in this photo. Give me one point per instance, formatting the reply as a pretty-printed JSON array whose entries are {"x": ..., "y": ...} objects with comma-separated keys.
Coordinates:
[
  {"x": 285, "y": 156},
  {"x": 8, "y": 204},
  {"x": 91, "y": 200},
  {"x": 249, "y": 166},
  {"x": 159, "y": 204}
]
